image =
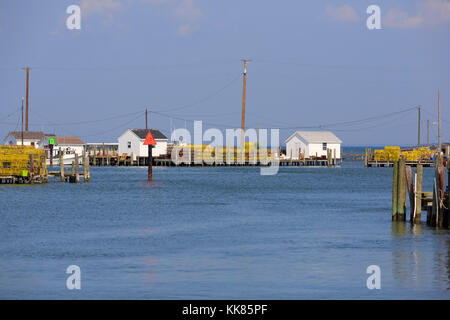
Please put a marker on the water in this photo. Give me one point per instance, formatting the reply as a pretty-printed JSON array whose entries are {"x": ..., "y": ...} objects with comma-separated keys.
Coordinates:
[{"x": 218, "y": 233}]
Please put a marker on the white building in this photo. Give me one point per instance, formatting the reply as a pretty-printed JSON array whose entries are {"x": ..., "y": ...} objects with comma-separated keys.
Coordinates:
[
  {"x": 312, "y": 143},
  {"x": 132, "y": 143},
  {"x": 30, "y": 138},
  {"x": 68, "y": 145}
]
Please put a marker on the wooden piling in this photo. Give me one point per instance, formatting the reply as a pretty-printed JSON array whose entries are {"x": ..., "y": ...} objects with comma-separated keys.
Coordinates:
[
  {"x": 401, "y": 197},
  {"x": 433, "y": 219},
  {"x": 448, "y": 193},
  {"x": 410, "y": 190},
  {"x": 418, "y": 194},
  {"x": 365, "y": 157},
  {"x": 61, "y": 165},
  {"x": 77, "y": 169},
  {"x": 328, "y": 158},
  {"x": 84, "y": 166},
  {"x": 394, "y": 190},
  {"x": 334, "y": 157},
  {"x": 31, "y": 168},
  {"x": 441, "y": 194}
]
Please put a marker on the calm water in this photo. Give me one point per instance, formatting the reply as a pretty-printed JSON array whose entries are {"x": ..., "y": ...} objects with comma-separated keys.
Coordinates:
[{"x": 217, "y": 233}]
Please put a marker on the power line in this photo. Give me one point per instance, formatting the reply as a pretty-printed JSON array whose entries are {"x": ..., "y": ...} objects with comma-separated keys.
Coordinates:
[
  {"x": 112, "y": 129},
  {"x": 352, "y": 122},
  {"x": 208, "y": 97}
]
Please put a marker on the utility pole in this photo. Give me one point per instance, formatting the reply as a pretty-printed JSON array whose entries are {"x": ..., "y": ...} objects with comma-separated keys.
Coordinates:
[
  {"x": 418, "y": 128},
  {"x": 27, "y": 69},
  {"x": 146, "y": 119},
  {"x": 22, "y": 121},
  {"x": 243, "y": 104},
  {"x": 439, "y": 122},
  {"x": 428, "y": 133}
]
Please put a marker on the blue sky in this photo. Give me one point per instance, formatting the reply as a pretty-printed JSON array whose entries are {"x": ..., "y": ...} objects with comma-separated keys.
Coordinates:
[{"x": 314, "y": 63}]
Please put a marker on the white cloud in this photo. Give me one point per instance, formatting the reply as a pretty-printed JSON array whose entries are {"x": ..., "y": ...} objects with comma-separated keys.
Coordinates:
[
  {"x": 397, "y": 18},
  {"x": 429, "y": 13},
  {"x": 343, "y": 14}
]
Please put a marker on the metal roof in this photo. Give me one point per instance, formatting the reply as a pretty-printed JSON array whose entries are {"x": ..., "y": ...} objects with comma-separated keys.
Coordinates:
[
  {"x": 142, "y": 133},
  {"x": 59, "y": 140},
  {"x": 31, "y": 135},
  {"x": 316, "y": 137}
]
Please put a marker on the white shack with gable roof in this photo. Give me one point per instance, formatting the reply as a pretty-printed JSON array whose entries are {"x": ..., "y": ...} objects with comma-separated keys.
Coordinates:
[{"x": 312, "y": 143}]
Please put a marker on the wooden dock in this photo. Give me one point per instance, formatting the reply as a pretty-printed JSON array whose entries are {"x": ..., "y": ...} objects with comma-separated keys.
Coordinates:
[
  {"x": 114, "y": 160},
  {"x": 375, "y": 163},
  {"x": 74, "y": 175},
  {"x": 371, "y": 160},
  {"x": 408, "y": 185}
]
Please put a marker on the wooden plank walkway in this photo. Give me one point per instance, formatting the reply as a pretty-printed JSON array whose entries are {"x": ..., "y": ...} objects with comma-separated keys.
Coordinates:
[
  {"x": 115, "y": 160},
  {"x": 374, "y": 163}
]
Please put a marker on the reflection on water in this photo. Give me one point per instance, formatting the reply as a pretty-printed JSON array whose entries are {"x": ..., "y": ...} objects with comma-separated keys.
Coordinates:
[{"x": 410, "y": 266}]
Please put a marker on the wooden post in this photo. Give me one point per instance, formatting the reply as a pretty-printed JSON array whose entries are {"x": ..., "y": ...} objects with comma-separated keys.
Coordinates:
[
  {"x": 87, "y": 169},
  {"x": 61, "y": 164},
  {"x": 334, "y": 157},
  {"x": 27, "y": 69},
  {"x": 84, "y": 166},
  {"x": 401, "y": 197},
  {"x": 418, "y": 127},
  {"x": 441, "y": 194},
  {"x": 328, "y": 157},
  {"x": 31, "y": 168},
  {"x": 77, "y": 169},
  {"x": 103, "y": 154},
  {"x": 448, "y": 193},
  {"x": 410, "y": 190},
  {"x": 434, "y": 209},
  {"x": 418, "y": 211},
  {"x": 150, "y": 165},
  {"x": 365, "y": 157},
  {"x": 439, "y": 123},
  {"x": 394, "y": 191},
  {"x": 243, "y": 104}
]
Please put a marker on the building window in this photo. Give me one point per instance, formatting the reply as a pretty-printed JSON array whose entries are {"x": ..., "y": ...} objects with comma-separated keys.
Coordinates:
[
  {"x": 129, "y": 144},
  {"x": 324, "y": 146}
]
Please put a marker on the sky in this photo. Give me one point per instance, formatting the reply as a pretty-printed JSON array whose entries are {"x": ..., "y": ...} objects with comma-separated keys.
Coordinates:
[{"x": 315, "y": 66}]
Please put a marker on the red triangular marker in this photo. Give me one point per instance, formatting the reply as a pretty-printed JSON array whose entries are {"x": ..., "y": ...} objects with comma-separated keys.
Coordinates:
[{"x": 149, "y": 140}]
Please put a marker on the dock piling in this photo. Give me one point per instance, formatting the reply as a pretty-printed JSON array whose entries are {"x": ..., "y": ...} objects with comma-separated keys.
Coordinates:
[
  {"x": 410, "y": 190},
  {"x": 418, "y": 193},
  {"x": 394, "y": 190},
  {"x": 401, "y": 194},
  {"x": 31, "y": 168},
  {"x": 61, "y": 165},
  {"x": 77, "y": 169}
]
